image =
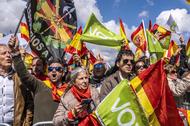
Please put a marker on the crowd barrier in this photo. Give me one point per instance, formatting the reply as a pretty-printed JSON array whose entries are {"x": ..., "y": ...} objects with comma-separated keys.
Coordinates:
[
  {"x": 45, "y": 123},
  {"x": 4, "y": 124}
]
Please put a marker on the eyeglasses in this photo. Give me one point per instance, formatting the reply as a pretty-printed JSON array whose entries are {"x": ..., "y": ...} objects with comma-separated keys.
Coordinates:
[
  {"x": 59, "y": 69},
  {"x": 99, "y": 65},
  {"x": 125, "y": 61}
]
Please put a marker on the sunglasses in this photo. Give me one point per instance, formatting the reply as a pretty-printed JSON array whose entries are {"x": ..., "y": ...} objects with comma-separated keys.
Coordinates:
[
  {"x": 127, "y": 60},
  {"x": 59, "y": 69},
  {"x": 99, "y": 65},
  {"x": 141, "y": 66}
]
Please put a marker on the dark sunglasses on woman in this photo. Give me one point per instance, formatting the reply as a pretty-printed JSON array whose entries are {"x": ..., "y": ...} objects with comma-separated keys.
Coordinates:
[{"x": 140, "y": 66}]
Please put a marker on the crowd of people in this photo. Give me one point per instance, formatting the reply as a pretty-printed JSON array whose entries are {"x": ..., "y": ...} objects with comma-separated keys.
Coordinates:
[{"x": 69, "y": 96}]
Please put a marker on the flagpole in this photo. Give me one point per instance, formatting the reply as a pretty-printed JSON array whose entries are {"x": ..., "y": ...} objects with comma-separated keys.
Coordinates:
[
  {"x": 19, "y": 22},
  {"x": 146, "y": 52}
]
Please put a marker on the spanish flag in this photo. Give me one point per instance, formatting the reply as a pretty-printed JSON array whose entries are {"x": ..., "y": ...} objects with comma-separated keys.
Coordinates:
[
  {"x": 188, "y": 48},
  {"x": 24, "y": 31},
  {"x": 154, "y": 95},
  {"x": 162, "y": 34},
  {"x": 186, "y": 113},
  {"x": 123, "y": 34},
  {"x": 76, "y": 45},
  {"x": 138, "y": 54},
  {"x": 172, "y": 49},
  {"x": 138, "y": 37}
]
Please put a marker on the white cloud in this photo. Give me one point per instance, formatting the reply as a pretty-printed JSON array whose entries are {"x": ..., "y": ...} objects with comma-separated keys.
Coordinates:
[
  {"x": 143, "y": 13},
  {"x": 85, "y": 8},
  {"x": 150, "y": 2},
  {"x": 181, "y": 16},
  {"x": 10, "y": 12}
]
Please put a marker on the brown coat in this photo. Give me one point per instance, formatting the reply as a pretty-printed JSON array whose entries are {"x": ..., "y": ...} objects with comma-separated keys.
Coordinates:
[
  {"x": 44, "y": 105},
  {"x": 23, "y": 107},
  {"x": 69, "y": 101},
  {"x": 108, "y": 84}
]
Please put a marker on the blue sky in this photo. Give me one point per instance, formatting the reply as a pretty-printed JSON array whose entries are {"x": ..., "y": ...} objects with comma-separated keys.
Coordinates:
[{"x": 129, "y": 10}]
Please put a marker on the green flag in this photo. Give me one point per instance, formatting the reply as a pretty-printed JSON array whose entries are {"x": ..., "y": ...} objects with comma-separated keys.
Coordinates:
[
  {"x": 155, "y": 48},
  {"x": 96, "y": 33},
  {"x": 120, "y": 107}
]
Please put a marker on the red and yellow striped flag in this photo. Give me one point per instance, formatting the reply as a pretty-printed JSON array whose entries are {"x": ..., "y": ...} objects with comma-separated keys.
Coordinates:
[
  {"x": 138, "y": 54},
  {"x": 138, "y": 37},
  {"x": 186, "y": 113},
  {"x": 76, "y": 45},
  {"x": 172, "y": 49},
  {"x": 154, "y": 95},
  {"x": 24, "y": 31},
  {"x": 123, "y": 34},
  {"x": 188, "y": 48}
]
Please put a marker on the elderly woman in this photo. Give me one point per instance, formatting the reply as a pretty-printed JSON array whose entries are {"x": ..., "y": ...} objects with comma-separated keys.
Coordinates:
[{"x": 77, "y": 103}]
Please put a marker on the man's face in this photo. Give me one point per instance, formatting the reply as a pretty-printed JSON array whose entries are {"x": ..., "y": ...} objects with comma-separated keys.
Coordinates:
[
  {"x": 99, "y": 70},
  {"x": 126, "y": 64},
  {"x": 81, "y": 81},
  {"x": 37, "y": 66},
  {"x": 5, "y": 57},
  {"x": 55, "y": 72}
]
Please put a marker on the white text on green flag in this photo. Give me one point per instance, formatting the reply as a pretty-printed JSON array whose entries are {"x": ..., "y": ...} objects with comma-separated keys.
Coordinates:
[{"x": 120, "y": 108}]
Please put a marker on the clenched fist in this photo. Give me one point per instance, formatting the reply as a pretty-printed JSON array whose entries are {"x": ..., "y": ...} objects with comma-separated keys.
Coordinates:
[{"x": 13, "y": 44}]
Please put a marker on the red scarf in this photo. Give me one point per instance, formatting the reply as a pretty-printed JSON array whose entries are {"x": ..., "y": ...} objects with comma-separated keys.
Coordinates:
[
  {"x": 79, "y": 95},
  {"x": 89, "y": 120},
  {"x": 56, "y": 97}
]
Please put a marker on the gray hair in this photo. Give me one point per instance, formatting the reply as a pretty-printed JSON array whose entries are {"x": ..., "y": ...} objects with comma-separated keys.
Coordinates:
[{"x": 75, "y": 72}]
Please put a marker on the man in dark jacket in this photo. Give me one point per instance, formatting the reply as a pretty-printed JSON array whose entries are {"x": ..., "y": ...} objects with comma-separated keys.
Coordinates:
[
  {"x": 16, "y": 103},
  {"x": 46, "y": 94},
  {"x": 123, "y": 67}
]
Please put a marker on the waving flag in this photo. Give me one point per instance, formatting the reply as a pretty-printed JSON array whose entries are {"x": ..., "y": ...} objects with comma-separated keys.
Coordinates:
[
  {"x": 76, "y": 45},
  {"x": 154, "y": 95},
  {"x": 162, "y": 34},
  {"x": 173, "y": 25},
  {"x": 52, "y": 24},
  {"x": 186, "y": 113},
  {"x": 138, "y": 38},
  {"x": 188, "y": 48},
  {"x": 172, "y": 49},
  {"x": 138, "y": 54},
  {"x": 24, "y": 30},
  {"x": 120, "y": 108},
  {"x": 154, "y": 47},
  {"x": 123, "y": 34},
  {"x": 94, "y": 32}
]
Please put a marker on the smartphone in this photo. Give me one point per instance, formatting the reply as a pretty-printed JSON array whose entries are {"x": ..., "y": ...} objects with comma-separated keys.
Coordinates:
[{"x": 86, "y": 101}]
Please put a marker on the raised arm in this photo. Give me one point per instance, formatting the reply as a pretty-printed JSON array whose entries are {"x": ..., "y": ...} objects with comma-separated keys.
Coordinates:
[{"x": 29, "y": 80}]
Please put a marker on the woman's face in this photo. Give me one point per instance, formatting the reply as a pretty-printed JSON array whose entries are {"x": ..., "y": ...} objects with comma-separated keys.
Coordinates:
[
  {"x": 81, "y": 81},
  {"x": 140, "y": 67}
]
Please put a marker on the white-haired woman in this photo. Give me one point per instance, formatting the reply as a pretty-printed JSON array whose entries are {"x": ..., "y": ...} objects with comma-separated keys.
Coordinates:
[{"x": 78, "y": 103}]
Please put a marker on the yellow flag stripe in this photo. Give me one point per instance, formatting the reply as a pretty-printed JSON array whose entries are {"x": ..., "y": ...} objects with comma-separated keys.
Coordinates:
[
  {"x": 188, "y": 116},
  {"x": 24, "y": 31},
  {"x": 144, "y": 101},
  {"x": 48, "y": 84}
]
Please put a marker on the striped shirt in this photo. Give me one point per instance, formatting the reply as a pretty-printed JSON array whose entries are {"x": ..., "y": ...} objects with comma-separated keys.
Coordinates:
[{"x": 6, "y": 100}]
